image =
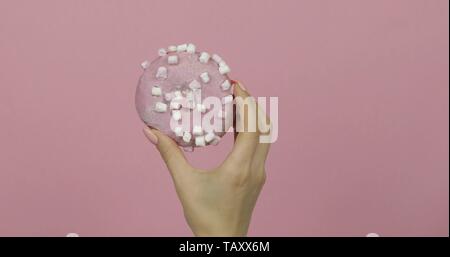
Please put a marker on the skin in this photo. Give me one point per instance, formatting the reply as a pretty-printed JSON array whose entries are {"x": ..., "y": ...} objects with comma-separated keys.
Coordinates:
[{"x": 218, "y": 202}]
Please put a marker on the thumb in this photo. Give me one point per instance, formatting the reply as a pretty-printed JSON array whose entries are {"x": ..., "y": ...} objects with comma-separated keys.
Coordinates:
[{"x": 169, "y": 150}]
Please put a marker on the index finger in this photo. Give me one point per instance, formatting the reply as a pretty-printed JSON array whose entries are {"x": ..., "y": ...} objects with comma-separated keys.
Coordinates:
[{"x": 248, "y": 135}]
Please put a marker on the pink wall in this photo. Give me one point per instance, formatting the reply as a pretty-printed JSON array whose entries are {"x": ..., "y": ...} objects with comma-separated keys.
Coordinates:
[{"x": 363, "y": 90}]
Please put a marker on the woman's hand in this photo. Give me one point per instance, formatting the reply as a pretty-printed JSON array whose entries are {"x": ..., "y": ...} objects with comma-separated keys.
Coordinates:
[{"x": 218, "y": 202}]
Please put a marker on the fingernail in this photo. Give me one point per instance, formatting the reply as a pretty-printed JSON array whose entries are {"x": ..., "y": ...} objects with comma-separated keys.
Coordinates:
[
  {"x": 239, "y": 84},
  {"x": 150, "y": 136}
]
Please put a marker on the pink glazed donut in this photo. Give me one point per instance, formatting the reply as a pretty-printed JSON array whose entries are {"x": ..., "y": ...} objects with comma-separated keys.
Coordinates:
[{"x": 172, "y": 90}]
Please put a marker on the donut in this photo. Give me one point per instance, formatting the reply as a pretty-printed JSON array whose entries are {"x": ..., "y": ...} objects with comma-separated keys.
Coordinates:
[{"x": 187, "y": 95}]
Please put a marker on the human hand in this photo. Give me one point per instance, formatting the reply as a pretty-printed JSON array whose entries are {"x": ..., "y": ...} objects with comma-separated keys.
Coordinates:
[{"x": 218, "y": 202}]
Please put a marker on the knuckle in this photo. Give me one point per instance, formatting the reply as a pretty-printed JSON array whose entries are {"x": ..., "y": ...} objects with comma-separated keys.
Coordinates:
[
  {"x": 261, "y": 178},
  {"x": 241, "y": 176}
]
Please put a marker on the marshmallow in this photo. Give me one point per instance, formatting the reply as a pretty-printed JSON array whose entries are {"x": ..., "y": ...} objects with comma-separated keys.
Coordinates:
[
  {"x": 190, "y": 95},
  {"x": 168, "y": 96},
  {"x": 215, "y": 141},
  {"x": 195, "y": 85},
  {"x": 205, "y": 77},
  {"x": 162, "y": 52},
  {"x": 187, "y": 137},
  {"x": 145, "y": 64},
  {"x": 227, "y": 99},
  {"x": 181, "y": 48},
  {"x": 173, "y": 59},
  {"x": 197, "y": 94},
  {"x": 190, "y": 48},
  {"x": 156, "y": 91},
  {"x": 178, "y": 131},
  {"x": 188, "y": 104},
  {"x": 204, "y": 57},
  {"x": 197, "y": 131},
  {"x": 201, "y": 108},
  {"x": 160, "y": 107},
  {"x": 161, "y": 72},
  {"x": 209, "y": 137},
  {"x": 225, "y": 85},
  {"x": 172, "y": 48},
  {"x": 176, "y": 115},
  {"x": 216, "y": 58},
  {"x": 224, "y": 69},
  {"x": 177, "y": 95},
  {"x": 200, "y": 141},
  {"x": 175, "y": 105}
]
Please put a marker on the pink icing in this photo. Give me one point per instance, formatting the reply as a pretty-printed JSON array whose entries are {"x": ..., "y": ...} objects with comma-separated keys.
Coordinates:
[{"x": 179, "y": 76}]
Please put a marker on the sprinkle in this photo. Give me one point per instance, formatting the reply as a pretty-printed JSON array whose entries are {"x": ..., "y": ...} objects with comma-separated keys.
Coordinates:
[
  {"x": 200, "y": 141},
  {"x": 224, "y": 69},
  {"x": 172, "y": 48},
  {"x": 205, "y": 77},
  {"x": 145, "y": 64},
  {"x": 187, "y": 137},
  {"x": 197, "y": 131},
  {"x": 160, "y": 107},
  {"x": 176, "y": 115},
  {"x": 190, "y": 48},
  {"x": 195, "y": 85},
  {"x": 216, "y": 58},
  {"x": 181, "y": 48},
  {"x": 173, "y": 59},
  {"x": 204, "y": 57},
  {"x": 225, "y": 85},
  {"x": 162, "y": 52},
  {"x": 156, "y": 91},
  {"x": 178, "y": 131},
  {"x": 209, "y": 137},
  {"x": 161, "y": 72}
]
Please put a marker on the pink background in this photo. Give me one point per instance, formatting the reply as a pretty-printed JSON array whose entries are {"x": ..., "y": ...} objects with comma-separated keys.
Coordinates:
[{"x": 363, "y": 91}]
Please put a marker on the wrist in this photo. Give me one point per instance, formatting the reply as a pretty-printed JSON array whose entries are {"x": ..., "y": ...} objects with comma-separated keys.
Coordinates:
[
  {"x": 220, "y": 233},
  {"x": 217, "y": 231}
]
